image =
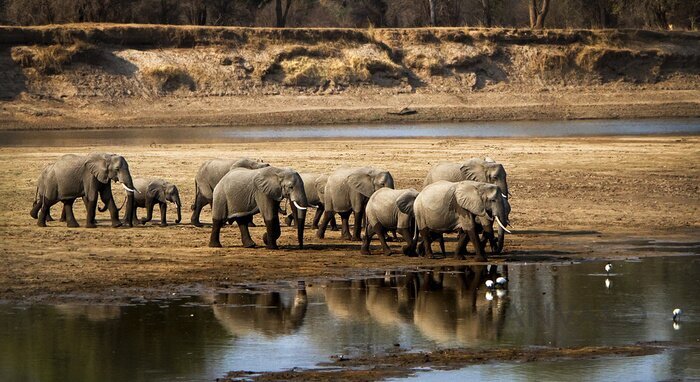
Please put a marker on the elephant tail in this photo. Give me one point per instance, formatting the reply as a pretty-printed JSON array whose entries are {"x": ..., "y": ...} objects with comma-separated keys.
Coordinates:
[
  {"x": 196, "y": 194},
  {"x": 36, "y": 205}
]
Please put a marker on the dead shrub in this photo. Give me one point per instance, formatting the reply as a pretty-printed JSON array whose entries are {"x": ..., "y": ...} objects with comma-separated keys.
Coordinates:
[
  {"x": 165, "y": 78},
  {"x": 53, "y": 58}
]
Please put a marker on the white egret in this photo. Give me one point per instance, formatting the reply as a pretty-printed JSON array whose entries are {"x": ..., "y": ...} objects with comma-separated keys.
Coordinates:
[
  {"x": 608, "y": 267},
  {"x": 677, "y": 314},
  {"x": 489, "y": 284}
]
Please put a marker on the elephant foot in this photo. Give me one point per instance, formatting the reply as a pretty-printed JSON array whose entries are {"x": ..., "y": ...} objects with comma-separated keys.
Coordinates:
[
  {"x": 143, "y": 221},
  {"x": 388, "y": 252},
  {"x": 249, "y": 244},
  {"x": 407, "y": 251},
  {"x": 334, "y": 228},
  {"x": 345, "y": 236},
  {"x": 479, "y": 259},
  {"x": 269, "y": 244},
  {"x": 365, "y": 251},
  {"x": 61, "y": 219},
  {"x": 314, "y": 226},
  {"x": 90, "y": 225},
  {"x": 49, "y": 218},
  {"x": 215, "y": 244},
  {"x": 163, "y": 224},
  {"x": 460, "y": 257},
  {"x": 41, "y": 223},
  {"x": 116, "y": 224},
  {"x": 197, "y": 224},
  {"x": 72, "y": 224},
  {"x": 355, "y": 238}
]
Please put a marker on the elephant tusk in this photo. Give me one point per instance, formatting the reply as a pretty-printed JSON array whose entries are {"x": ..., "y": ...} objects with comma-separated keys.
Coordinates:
[
  {"x": 501, "y": 225},
  {"x": 504, "y": 195},
  {"x": 298, "y": 206},
  {"x": 128, "y": 189},
  {"x": 313, "y": 206}
]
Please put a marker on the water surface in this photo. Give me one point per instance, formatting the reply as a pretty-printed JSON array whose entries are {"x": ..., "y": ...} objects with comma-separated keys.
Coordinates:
[
  {"x": 203, "y": 337},
  {"x": 204, "y": 135}
]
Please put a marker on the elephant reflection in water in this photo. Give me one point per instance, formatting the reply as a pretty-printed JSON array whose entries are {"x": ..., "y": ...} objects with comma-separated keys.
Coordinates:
[
  {"x": 452, "y": 307},
  {"x": 443, "y": 306},
  {"x": 263, "y": 313},
  {"x": 385, "y": 300}
]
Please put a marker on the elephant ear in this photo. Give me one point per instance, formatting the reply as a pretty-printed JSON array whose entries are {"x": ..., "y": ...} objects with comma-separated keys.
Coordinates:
[
  {"x": 361, "y": 183},
  {"x": 268, "y": 183},
  {"x": 469, "y": 198},
  {"x": 473, "y": 170},
  {"x": 320, "y": 185},
  {"x": 405, "y": 201},
  {"x": 99, "y": 169},
  {"x": 156, "y": 192}
]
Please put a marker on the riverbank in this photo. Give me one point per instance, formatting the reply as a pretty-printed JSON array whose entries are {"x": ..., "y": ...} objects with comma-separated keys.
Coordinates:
[
  {"x": 103, "y": 76},
  {"x": 573, "y": 198}
]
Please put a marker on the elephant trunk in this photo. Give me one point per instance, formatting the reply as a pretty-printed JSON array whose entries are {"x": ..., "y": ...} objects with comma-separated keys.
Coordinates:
[
  {"x": 125, "y": 179},
  {"x": 301, "y": 221},
  {"x": 504, "y": 187},
  {"x": 179, "y": 209}
]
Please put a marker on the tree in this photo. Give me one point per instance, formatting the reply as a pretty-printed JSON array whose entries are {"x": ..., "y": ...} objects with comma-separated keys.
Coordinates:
[
  {"x": 538, "y": 13},
  {"x": 433, "y": 12},
  {"x": 488, "y": 16}
]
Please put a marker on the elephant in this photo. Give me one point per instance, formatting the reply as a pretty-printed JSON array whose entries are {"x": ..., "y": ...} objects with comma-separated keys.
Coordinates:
[
  {"x": 266, "y": 313},
  {"x": 347, "y": 191},
  {"x": 74, "y": 176},
  {"x": 452, "y": 308},
  {"x": 389, "y": 209},
  {"x": 453, "y": 206},
  {"x": 209, "y": 175},
  {"x": 242, "y": 193},
  {"x": 152, "y": 191},
  {"x": 479, "y": 170},
  {"x": 314, "y": 187}
]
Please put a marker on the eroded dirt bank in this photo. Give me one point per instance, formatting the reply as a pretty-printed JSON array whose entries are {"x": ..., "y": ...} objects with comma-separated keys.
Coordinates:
[
  {"x": 572, "y": 198},
  {"x": 101, "y": 75}
]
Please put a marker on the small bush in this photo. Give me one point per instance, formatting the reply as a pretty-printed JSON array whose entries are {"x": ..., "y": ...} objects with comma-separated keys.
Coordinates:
[
  {"x": 168, "y": 77},
  {"x": 53, "y": 58}
]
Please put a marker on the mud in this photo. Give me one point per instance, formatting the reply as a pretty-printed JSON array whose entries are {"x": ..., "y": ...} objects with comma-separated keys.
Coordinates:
[{"x": 404, "y": 364}]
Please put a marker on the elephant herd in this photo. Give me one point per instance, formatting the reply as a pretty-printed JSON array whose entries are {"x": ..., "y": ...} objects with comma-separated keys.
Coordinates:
[{"x": 465, "y": 198}]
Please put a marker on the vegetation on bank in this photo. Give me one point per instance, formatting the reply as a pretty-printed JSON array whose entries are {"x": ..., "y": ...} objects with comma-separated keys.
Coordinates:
[{"x": 654, "y": 14}]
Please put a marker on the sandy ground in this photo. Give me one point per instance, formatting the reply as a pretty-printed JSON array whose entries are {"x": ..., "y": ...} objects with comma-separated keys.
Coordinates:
[
  {"x": 357, "y": 106},
  {"x": 572, "y": 198}
]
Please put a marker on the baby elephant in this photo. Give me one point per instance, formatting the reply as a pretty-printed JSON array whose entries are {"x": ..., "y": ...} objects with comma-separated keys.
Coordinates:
[
  {"x": 152, "y": 191},
  {"x": 389, "y": 209}
]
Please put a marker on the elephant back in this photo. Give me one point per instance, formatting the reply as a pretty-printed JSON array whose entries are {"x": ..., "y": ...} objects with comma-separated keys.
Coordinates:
[
  {"x": 381, "y": 207},
  {"x": 310, "y": 187},
  {"x": 444, "y": 171}
]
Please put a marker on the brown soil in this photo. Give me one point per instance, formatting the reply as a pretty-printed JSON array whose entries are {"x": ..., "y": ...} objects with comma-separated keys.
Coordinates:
[
  {"x": 403, "y": 364},
  {"x": 101, "y": 75},
  {"x": 572, "y": 198}
]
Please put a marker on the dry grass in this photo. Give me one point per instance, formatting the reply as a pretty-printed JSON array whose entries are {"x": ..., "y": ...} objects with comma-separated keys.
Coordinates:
[
  {"x": 53, "y": 58},
  {"x": 168, "y": 77}
]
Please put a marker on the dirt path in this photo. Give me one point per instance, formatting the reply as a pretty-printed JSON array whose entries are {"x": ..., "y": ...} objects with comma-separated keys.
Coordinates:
[{"x": 572, "y": 197}]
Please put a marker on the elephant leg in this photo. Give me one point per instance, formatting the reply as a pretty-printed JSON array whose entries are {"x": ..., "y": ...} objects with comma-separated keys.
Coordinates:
[
  {"x": 359, "y": 219},
  {"x": 108, "y": 199},
  {"x": 327, "y": 216},
  {"x": 163, "y": 214},
  {"x": 345, "y": 222},
  {"x": 199, "y": 203},
  {"x": 63, "y": 215},
  {"x": 474, "y": 238},
  {"x": 441, "y": 240},
  {"x": 273, "y": 232},
  {"x": 70, "y": 218},
  {"x": 334, "y": 225},
  {"x": 243, "y": 224},
  {"x": 216, "y": 232},
  {"x": 149, "y": 211},
  {"x": 317, "y": 217},
  {"x": 49, "y": 218},
  {"x": 381, "y": 233},
  {"x": 409, "y": 249},
  {"x": 369, "y": 233},
  {"x": 461, "y": 248},
  {"x": 427, "y": 243},
  {"x": 91, "y": 207},
  {"x": 135, "y": 218},
  {"x": 289, "y": 219},
  {"x": 44, "y": 212}
]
